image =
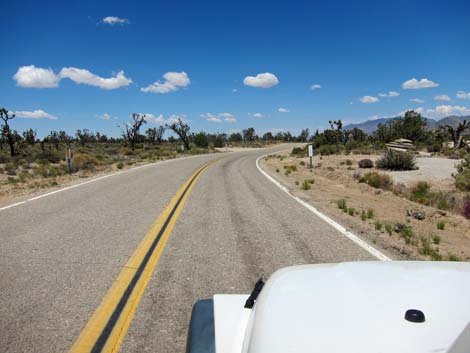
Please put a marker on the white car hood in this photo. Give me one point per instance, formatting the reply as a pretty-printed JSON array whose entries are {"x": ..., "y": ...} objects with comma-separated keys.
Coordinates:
[{"x": 360, "y": 307}]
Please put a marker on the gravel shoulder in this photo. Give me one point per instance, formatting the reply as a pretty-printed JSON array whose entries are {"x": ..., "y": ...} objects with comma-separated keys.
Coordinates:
[{"x": 334, "y": 180}]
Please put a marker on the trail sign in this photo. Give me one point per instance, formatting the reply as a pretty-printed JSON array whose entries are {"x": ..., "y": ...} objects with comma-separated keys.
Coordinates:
[{"x": 310, "y": 154}]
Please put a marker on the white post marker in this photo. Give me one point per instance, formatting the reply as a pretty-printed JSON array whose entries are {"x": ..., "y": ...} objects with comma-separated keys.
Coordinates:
[{"x": 310, "y": 154}]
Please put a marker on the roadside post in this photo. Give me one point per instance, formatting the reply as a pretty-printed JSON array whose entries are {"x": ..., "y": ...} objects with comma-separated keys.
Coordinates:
[
  {"x": 68, "y": 159},
  {"x": 310, "y": 154}
]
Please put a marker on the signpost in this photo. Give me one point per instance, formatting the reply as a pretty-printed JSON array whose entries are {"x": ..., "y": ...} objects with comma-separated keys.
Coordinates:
[
  {"x": 68, "y": 159},
  {"x": 310, "y": 154}
]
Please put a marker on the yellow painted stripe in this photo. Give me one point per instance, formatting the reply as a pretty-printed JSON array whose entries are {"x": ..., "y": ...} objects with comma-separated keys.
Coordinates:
[{"x": 93, "y": 329}]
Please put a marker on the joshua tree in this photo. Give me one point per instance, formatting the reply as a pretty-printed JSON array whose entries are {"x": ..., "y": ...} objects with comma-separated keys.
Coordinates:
[
  {"x": 155, "y": 135},
  {"x": 457, "y": 133},
  {"x": 30, "y": 136},
  {"x": 182, "y": 130},
  {"x": 54, "y": 138},
  {"x": 131, "y": 130},
  {"x": 7, "y": 134}
]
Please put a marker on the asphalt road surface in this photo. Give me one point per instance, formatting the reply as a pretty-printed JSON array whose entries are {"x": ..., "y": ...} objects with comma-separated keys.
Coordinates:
[{"x": 61, "y": 253}]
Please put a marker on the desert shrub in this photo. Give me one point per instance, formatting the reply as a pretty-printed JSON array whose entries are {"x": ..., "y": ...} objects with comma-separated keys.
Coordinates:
[
  {"x": 120, "y": 165},
  {"x": 376, "y": 180},
  {"x": 11, "y": 168},
  {"x": 365, "y": 163},
  {"x": 298, "y": 151},
  {"x": 291, "y": 168},
  {"x": 436, "y": 239},
  {"x": 277, "y": 170},
  {"x": 396, "y": 160},
  {"x": 443, "y": 204},
  {"x": 363, "y": 215},
  {"x": 4, "y": 158},
  {"x": 302, "y": 163},
  {"x": 388, "y": 228},
  {"x": 83, "y": 161},
  {"x": 441, "y": 225},
  {"x": 406, "y": 232},
  {"x": 51, "y": 156},
  {"x": 351, "y": 211},
  {"x": 453, "y": 257},
  {"x": 420, "y": 192},
  {"x": 306, "y": 185},
  {"x": 349, "y": 162},
  {"x": 370, "y": 213},
  {"x": 12, "y": 180},
  {"x": 378, "y": 225},
  {"x": 466, "y": 209},
  {"x": 46, "y": 171},
  {"x": 342, "y": 205},
  {"x": 328, "y": 149},
  {"x": 462, "y": 177}
]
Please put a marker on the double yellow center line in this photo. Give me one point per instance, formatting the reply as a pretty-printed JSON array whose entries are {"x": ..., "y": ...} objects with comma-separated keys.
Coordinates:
[{"x": 108, "y": 326}]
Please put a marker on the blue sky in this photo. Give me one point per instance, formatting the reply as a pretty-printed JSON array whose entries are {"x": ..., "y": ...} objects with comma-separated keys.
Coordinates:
[{"x": 215, "y": 52}]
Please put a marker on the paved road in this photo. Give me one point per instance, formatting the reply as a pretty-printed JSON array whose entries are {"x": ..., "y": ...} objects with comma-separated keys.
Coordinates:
[{"x": 60, "y": 254}]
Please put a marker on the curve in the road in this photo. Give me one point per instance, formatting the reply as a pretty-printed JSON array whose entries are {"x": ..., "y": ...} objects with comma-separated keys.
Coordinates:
[{"x": 353, "y": 237}]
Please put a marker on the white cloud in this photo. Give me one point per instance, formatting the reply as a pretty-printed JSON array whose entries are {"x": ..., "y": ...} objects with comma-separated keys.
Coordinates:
[
  {"x": 173, "y": 82},
  {"x": 264, "y": 80},
  {"x": 389, "y": 94},
  {"x": 36, "y": 114},
  {"x": 369, "y": 99},
  {"x": 114, "y": 20},
  {"x": 175, "y": 117},
  {"x": 442, "y": 97},
  {"x": 36, "y": 77},
  {"x": 419, "y": 84},
  {"x": 283, "y": 110},
  {"x": 258, "y": 115},
  {"x": 441, "y": 111},
  {"x": 315, "y": 86},
  {"x": 416, "y": 100},
  {"x": 155, "y": 119},
  {"x": 82, "y": 76},
  {"x": 211, "y": 118},
  {"x": 160, "y": 119},
  {"x": 104, "y": 116},
  {"x": 463, "y": 95},
  {"x": 228, "y": 117}
]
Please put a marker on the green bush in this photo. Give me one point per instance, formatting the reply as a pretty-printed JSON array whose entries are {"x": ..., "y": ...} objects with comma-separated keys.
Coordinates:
[
  {"x": 298, "y": 151},
  {"x": 120, "y": 165},
  {"x": 396, "y": 160},
  {"x": 328, "y": 149},
  {"x": 462, "y": 177},
  {"x": 388, "y": 228},
  {"x": 376, "y": 180},
  {"x": 420, "y": 192},
  {"x": 51, "y": 156},
  {"x": 351, "y": 211},
  {"x": 436, "y": 239},
  {"x": 378, "y": 225},
  {"x": 441, "y": 225},
  {"x": 342, "y": 205},
  {"x": 306, "y": 185}
]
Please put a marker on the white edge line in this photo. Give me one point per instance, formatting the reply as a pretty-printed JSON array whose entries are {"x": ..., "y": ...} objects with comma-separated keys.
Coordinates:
[
  {"x": 353, "y": 237},
  {"x": 96, "y": 179}
]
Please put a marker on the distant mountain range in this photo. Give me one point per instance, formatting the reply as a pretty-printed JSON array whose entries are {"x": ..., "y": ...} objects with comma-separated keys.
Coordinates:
[{"x": 371, "y": 125}]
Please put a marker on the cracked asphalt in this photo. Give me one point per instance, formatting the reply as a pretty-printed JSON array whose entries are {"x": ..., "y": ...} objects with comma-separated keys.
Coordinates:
[{"x": 60, "y": 254}]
